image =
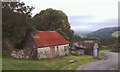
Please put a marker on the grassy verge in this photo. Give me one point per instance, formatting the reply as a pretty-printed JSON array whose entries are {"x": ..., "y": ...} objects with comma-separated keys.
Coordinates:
[
  {"x": 101, "y": 55},
  {"x": 60, "y": 63},
  {"x": 80, "y": 61}
]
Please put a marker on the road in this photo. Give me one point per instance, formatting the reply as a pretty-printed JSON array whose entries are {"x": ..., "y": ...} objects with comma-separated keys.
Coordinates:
[{"x": 111, "y": 63}]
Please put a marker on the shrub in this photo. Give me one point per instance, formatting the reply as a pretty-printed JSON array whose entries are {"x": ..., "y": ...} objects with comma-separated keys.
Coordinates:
[
  {"x": 74, "y": 53},
  {"x": 115, "y": 48},
  {"x": 105, "y": 48},
  {"x": 5, "y": 53}
]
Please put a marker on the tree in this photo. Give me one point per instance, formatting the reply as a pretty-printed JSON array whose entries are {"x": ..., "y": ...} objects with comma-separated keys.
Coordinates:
[
  {"x": 17, "y": 7},
  {"x": 51, "y": 20},
  {"x": 109, "y": 40},
  {"x": 15, "y": 19},
  {"x": 63, "y": 34},
  {"x": 76, "y": 38}
]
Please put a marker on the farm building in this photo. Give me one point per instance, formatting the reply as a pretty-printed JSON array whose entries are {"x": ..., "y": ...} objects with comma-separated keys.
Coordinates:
[
  {"x": 50, "y": 44},
  {"x": 43, "y": 44},
  {"x": 89, "y": 48}
]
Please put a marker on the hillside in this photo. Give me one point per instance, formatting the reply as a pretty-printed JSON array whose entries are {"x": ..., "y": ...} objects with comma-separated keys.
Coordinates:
[
  {"x": 102, "y": 33},
  {"x": 81, "y": 33}
]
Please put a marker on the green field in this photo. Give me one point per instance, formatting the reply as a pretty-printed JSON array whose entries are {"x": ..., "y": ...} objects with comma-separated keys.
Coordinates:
[
  {"x": 116, "y": 33},
  {"x": 60, "y": 63}
]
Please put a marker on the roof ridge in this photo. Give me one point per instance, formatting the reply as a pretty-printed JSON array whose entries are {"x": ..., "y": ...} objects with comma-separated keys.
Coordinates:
[{"x": 47, "y": 31}]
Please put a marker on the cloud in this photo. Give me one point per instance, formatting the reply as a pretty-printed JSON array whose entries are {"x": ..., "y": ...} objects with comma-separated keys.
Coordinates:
[
  {"x": 89, "y": 23},
  {"x": 87, "y": 15},
  {"x": 100, "y": 8}
]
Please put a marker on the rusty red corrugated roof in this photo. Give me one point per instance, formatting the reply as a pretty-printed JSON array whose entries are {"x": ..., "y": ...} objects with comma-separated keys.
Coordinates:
[
  {"x": 86, "y": 44},
  {"x": 49, "y": 38}
]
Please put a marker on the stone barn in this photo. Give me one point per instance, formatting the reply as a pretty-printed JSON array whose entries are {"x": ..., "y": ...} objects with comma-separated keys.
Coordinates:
[
  {"x": 43, "y": 44},
  {"x": 49, "y": 44},
  {"x": 89, "y": 48}
]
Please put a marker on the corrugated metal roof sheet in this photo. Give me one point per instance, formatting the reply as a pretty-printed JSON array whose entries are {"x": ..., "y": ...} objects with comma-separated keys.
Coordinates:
[
  {"x": 49, "y": 38},
  {"x": 86, "y": 44}
]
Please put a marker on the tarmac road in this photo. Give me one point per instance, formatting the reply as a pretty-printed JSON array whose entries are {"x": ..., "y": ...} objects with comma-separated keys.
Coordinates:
[{"x": 111, "y": 63}]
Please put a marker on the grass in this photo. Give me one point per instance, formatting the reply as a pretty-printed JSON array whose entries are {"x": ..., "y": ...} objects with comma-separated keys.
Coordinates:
[
  {"x": 59, "y": 63},
  {"x": 106, "y": 48},
  {"x": 116, "y": 33},
  {"x": 101, "y": 55},
  {"x": 80, "y": 61}
]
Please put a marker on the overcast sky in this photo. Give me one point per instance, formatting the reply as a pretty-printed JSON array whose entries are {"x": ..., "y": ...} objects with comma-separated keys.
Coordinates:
[{"x": 83, "y": 15}]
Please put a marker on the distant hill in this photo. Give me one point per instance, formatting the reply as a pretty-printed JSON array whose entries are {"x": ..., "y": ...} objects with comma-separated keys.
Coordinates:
[
  {"x": 103, "y": 33},
  {"x": 81, "y": 33}
]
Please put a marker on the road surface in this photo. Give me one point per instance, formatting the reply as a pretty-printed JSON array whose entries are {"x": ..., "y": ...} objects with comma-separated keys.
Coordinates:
[{"x": 111, "y": 63}]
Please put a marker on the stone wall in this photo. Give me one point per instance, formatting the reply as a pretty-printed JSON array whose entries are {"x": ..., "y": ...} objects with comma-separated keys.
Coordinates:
[
  {"x": 50, "y": 52},
  {"x": 41, "y": 53},
  {"x": 22, "y": 54}
]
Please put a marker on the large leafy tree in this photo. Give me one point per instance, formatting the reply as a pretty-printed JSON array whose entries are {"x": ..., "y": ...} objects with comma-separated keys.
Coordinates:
[
  {"x": 109, "y": 40},
  {"x": 15, "y": 21},
  {"x": 51, "y": 20}
]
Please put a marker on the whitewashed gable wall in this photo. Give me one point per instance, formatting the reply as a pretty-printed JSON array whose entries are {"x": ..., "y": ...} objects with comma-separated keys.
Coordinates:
[
  {"x": 43, "y": 52},
  {"x": 61, "y": 49},
  {"x": 95, "y": 46}
]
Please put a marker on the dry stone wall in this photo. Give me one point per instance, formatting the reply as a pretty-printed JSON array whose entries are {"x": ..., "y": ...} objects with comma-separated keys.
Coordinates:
[{"x": 22, "y": 54}]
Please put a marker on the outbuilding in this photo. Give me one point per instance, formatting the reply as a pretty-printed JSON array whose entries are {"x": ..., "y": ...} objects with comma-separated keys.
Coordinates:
[
  {"x": 89, "y": 48},
  {"x": 49, "y": 44}
]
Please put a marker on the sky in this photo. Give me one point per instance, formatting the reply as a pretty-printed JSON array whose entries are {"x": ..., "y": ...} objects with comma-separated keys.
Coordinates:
[{"x": 83, "y": 15}]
